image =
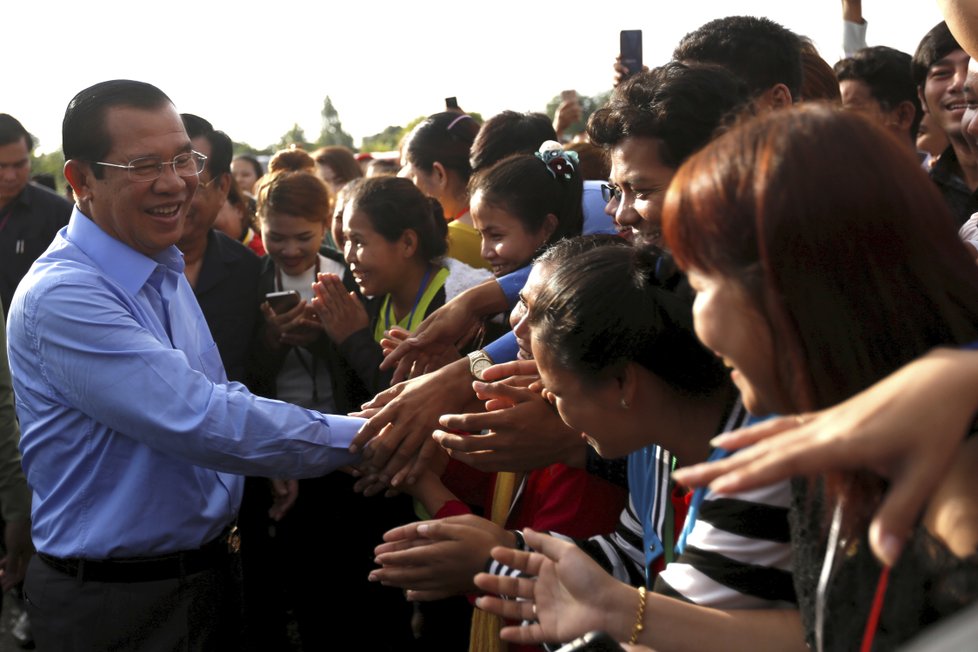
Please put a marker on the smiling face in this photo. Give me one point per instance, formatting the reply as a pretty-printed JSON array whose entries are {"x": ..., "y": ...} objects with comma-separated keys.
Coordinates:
[
  {"x": 943, "y": 91},
  {"x": 727, "y": 322},
  {"x": 377, "y": 264},
  {"x": 642, "y": 177},
  {"x": 146, "y": 215},
  {"x": 518, "y": 320},
  {"x": 594, "y": 408},
  {"x": 507, "y": 244},
  {"x": 292, "y": 241}
]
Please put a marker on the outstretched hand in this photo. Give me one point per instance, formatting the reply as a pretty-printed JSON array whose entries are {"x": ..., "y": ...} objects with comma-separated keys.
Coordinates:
[
  {"x": 882, "y": 429},
  {"x": 435, "y": 559},
  {"x": 568, "y": 595},
  {"x": 396, "y": 439},
  {"x": 522, "y": 431}
]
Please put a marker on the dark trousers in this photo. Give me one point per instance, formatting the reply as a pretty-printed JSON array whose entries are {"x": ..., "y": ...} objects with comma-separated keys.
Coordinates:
[{"x": 196, "y": 612}]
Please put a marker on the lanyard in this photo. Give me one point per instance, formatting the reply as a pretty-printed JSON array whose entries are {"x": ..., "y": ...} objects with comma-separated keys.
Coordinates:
[
  {"x": 417, "y": 300},
  {"x": 697, "y": 502}
]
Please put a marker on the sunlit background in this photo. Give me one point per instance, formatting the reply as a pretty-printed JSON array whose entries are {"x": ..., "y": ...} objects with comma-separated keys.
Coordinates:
[{"x": 255, "y": 69}]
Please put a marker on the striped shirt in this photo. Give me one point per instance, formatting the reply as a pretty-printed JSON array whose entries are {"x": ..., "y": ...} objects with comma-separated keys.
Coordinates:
[{"x": 737, "y": 553}]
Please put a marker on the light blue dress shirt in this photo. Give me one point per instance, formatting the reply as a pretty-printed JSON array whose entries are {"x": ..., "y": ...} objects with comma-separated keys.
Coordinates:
[{"x": 133, "y": 441}]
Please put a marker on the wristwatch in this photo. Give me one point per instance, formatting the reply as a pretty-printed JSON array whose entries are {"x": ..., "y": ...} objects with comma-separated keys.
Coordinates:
[{"x": 479, "y": 361}]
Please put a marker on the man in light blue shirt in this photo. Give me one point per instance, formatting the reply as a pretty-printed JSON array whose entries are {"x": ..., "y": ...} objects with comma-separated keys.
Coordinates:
[{"x": 133, "y": 441}]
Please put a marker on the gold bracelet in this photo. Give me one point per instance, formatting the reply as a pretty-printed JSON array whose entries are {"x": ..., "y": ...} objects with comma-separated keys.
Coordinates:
[{"x": 639, "y": 617}]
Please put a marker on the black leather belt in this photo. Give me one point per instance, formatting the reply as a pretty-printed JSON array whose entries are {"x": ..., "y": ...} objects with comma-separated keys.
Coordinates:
[{"x": 146, "y": 569}]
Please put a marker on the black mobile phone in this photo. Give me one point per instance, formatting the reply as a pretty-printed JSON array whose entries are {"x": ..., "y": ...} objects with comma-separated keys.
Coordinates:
[
  {"x": 451, "y": 104},
  {"x": 594, "y": 642},
  {"x": 282, "y": 301},
  {"x": 631, "y": 50}
]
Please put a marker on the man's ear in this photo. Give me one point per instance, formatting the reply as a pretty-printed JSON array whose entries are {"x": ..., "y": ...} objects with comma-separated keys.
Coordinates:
[
  {"x": 904, "y": 114},
  {"x": 224, "y": 185},
  {"x": 79, "y": 176},
  {"x": 923, "y": 100}
]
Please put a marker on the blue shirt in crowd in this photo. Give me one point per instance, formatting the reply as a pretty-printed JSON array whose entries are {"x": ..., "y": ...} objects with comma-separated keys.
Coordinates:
[{"x": 133, "y": 441}]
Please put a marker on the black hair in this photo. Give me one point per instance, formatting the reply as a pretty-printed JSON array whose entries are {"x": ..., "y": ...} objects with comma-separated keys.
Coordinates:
[
  {"x": 611, "y": 307},
  {"x": 529, "y": 189},
  {"x": 758, "y": 50},
  {"x": 443, "y": 138},
  {"x": 219, "y": 160},
  {"x": 679, "y": 104},
  {"x": 83, "y": 132},
  {"x": 509, "y": 133},
  {"x": 393, "y": 205},
  {"x": 253, "y": 162},
  {"x": 936, "y": 44},
  {"x": 887, "y": 74},
  {"x": 11, "y": 131}
]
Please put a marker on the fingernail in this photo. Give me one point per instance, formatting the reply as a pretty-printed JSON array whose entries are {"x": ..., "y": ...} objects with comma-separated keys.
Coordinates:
[
  {"x": 354, "y": 448},
  {"x": 372, "y": 578},
  {"x": 888, "y": 546},
  {"x": 423, "y": 529},
  {"x": 717, "y": 442}
]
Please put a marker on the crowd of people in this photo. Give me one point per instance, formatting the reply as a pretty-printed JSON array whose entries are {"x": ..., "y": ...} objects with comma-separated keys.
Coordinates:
[{"x": 702, "y": 379}]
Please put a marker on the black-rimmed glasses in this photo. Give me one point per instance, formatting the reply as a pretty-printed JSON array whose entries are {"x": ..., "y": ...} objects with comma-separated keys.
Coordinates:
[{"x": 609, "y": 190}]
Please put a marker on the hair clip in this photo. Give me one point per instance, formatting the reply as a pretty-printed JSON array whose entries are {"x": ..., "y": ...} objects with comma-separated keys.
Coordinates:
[{"x": 559, "y": 163}]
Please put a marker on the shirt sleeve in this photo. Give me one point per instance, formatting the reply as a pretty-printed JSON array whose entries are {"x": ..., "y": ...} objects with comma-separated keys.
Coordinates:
[
  {"x": 93, "y": 355},
  {"x": 503, "y": 349},
  {"x": 853, "y": 37},
  {"x": 512, "y": 283}
]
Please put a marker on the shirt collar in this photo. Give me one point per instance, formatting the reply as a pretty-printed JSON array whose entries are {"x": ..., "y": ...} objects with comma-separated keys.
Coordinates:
[{"x": 119, "y": 261}]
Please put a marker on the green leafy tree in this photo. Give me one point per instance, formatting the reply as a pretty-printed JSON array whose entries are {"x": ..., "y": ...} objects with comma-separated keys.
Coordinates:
[
  {"x": 385, "y": 141},
  {"x": 52, "y": 163},
  {"x": 332, "y": 130},
  {"x": 241, "y": 149},
  {"x": 294, "y": 136}
]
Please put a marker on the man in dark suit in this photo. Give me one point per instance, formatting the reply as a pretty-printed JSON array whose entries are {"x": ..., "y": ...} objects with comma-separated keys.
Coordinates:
[{"x": 223, "y": 273}]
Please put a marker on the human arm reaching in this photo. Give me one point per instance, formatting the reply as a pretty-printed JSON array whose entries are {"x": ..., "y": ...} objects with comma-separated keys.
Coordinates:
[
  {"x": 454, "y": 324},
  {"x": 895, "y": 428},
  {"x": 570, "y": 595}
]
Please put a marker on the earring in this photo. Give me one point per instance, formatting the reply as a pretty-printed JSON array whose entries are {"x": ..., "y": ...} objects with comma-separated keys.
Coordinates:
[{"x": 624, "y": 403}]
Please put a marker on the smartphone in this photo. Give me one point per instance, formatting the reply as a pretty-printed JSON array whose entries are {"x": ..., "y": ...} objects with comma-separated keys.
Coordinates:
[
  {"x": 631, "y": 50},
  {"x": 568, "y": 96},
  {"x": 451, "y": 104},
  {"x": 282, "y": 301},
  {"x": 596, "y": 641}
]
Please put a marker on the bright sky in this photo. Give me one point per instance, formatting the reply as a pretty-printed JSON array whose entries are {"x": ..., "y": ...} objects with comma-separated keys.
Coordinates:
[{"x": 255, "y": 72}]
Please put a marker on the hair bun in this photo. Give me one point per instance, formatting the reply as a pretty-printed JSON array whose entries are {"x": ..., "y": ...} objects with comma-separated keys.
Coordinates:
[{"x": 294, "y": 159}]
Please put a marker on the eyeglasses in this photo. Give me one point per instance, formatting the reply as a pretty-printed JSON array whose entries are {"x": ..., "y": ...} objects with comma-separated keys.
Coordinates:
[
  {"x": 609, "y": 190},
  {"x": 150, "y": 168}
]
